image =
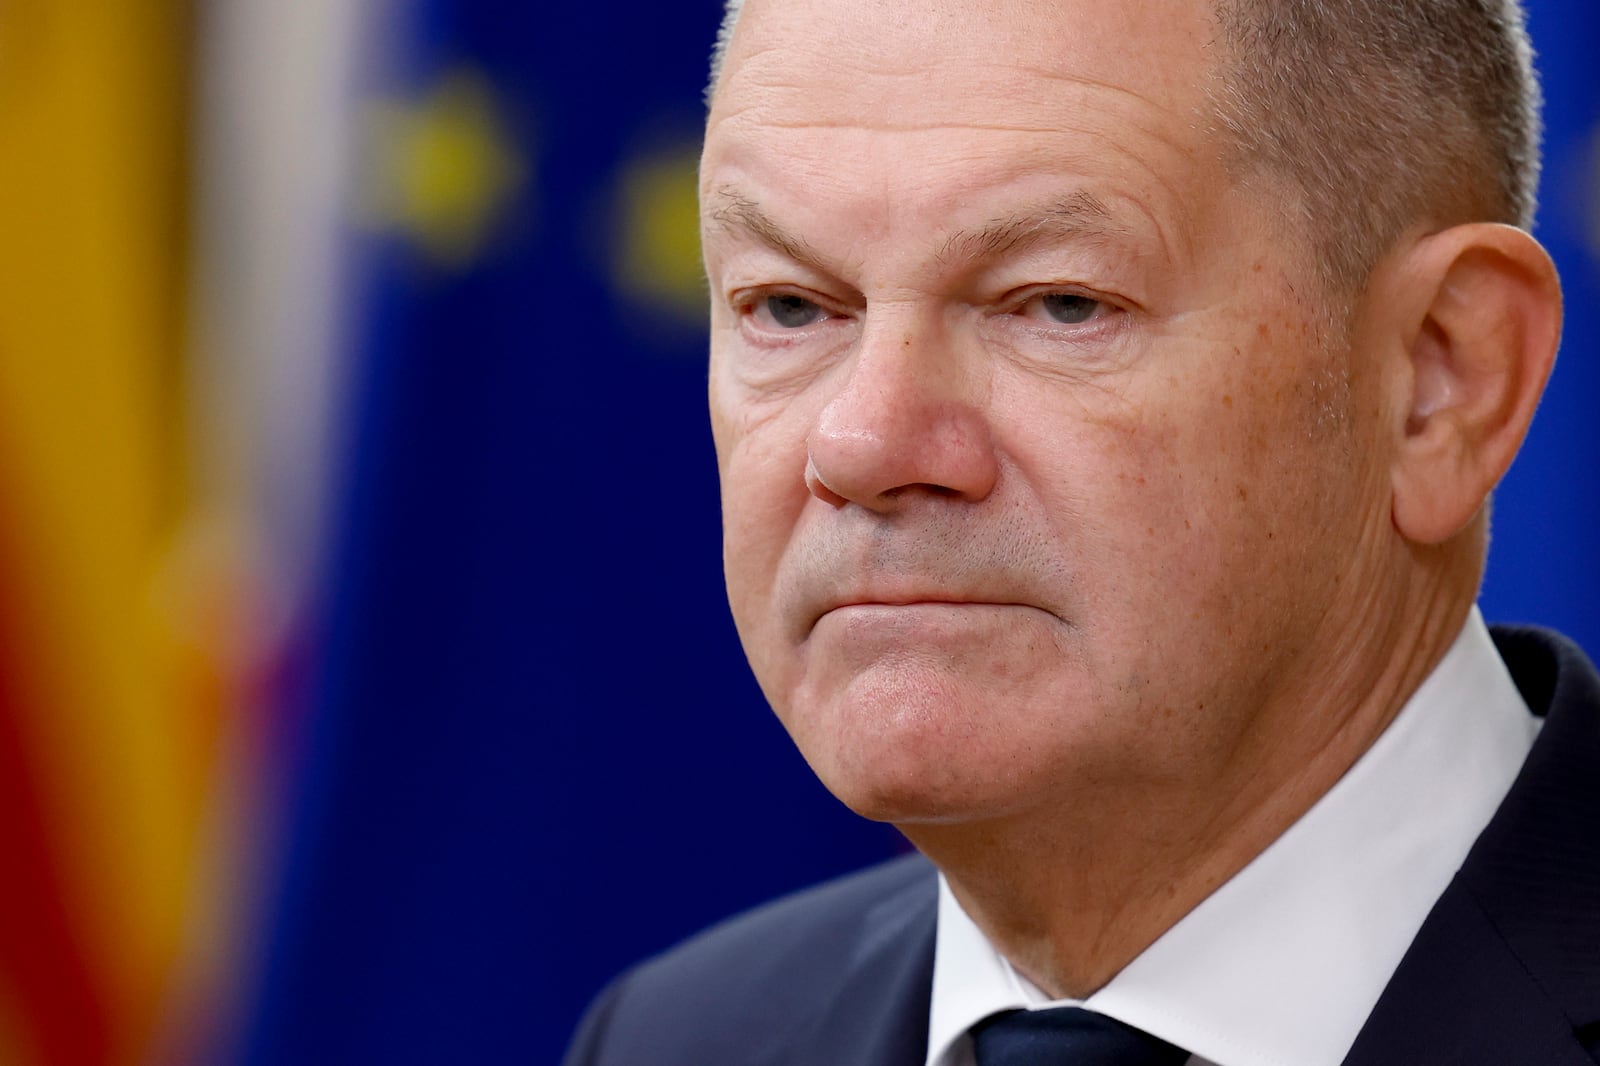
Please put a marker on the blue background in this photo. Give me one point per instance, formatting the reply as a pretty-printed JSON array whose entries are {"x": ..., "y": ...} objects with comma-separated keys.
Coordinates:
[{"x": 535, "y": 752}]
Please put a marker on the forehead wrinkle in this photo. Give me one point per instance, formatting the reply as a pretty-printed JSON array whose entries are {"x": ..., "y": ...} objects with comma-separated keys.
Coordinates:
[
  {"x": 771, "y": 69},
  {"x": 773, "y": 90},
  {"x": 878, "y": 124},
  {"x": 1035, "y": 74}
]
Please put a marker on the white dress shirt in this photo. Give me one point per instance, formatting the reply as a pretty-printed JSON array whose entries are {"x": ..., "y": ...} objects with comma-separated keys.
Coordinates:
[{"x": 1283, "y": 963}]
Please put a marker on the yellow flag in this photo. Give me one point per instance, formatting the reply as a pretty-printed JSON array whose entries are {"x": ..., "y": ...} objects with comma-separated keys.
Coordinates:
[{"x": 113, "y": 715}]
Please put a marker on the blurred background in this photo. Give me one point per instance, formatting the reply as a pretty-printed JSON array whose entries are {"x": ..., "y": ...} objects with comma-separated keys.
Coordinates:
[{"x": 367, "y": 694}]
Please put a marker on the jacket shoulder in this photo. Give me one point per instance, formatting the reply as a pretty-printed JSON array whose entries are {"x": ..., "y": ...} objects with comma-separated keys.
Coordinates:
[{"x": 730, "y": 991}]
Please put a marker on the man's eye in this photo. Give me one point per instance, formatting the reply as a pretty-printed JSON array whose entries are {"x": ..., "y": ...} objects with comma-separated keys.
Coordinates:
[
  {"x": 1063, "y": 308},
  {"x": 787, "y": 311}
]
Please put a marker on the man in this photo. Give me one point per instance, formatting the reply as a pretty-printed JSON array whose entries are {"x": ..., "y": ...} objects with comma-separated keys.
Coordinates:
[{"x": 1107, "y": 397}]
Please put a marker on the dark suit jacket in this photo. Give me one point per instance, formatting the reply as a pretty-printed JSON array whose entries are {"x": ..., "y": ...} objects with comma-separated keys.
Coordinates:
[{"x": 1504, "y": 972}]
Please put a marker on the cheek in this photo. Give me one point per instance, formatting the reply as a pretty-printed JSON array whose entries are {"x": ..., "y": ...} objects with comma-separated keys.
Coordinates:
[
  {"x": 755, "y": 521},
  {"x": 1189, "y": 494},
  {"x": 763, "y": 496}
]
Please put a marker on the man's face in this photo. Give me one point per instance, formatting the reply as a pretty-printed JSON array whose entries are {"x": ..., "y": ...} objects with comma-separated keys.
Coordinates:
[{"x": 1036, "y": 474}]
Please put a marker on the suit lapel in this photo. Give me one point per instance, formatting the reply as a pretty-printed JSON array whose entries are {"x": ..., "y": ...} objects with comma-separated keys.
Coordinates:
[
  {"x": 1461, "y": 997},
  {"x": 1506, "y": 969},
  {"x": 878, "y": 1015}
]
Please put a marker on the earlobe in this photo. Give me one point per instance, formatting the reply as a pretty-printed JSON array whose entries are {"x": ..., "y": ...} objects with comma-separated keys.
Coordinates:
[{"x": 1482, "y": 338}]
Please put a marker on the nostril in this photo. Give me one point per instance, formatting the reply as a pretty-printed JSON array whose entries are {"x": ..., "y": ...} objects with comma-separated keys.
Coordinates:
[
  {"x": 819, "y": 488},
  {"x": 927, "y": 487}
]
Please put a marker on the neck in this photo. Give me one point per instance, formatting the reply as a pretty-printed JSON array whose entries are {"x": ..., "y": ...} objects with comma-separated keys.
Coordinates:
[{"x": 1072, "y": 891}]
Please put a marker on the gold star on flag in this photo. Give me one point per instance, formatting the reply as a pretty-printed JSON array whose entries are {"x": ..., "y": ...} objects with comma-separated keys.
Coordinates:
[
  {"x": 442, "y": 169},
  {"x": 656, "y": 257}
]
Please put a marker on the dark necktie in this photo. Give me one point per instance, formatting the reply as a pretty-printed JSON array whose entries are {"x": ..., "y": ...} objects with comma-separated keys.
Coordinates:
[{"x": 1067, "y": 1036}]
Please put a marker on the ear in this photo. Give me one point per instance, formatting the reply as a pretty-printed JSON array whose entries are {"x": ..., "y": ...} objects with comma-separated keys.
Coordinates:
[{"x": 1482, "y": 321}]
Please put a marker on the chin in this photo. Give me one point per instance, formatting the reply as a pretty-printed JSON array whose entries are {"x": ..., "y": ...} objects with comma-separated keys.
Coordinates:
[
  {"x": 905, "y": 803},
  {"x": 902, "y": 797},
  {"x": 912, "y": 762},
  {"x": 906, "y": 734}
]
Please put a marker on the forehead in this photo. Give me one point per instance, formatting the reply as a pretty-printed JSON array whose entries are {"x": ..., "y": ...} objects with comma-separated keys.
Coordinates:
[
  {"x": 888, "y": 49},
  {"x": 908, "y": 111}
]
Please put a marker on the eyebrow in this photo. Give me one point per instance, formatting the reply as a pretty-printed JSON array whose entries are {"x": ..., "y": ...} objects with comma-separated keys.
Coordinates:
[
  {"x": 737, "y": 214},
  {"x": 1081, "y": 215}
]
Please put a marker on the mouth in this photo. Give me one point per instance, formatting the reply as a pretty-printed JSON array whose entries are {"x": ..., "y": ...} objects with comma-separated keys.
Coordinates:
[
  {"x": 919, "y": 601},
  {"x": 904, "y": 605}
]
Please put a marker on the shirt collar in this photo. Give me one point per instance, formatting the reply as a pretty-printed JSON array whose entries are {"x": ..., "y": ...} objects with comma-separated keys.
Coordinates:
[{"x": 1283, "y": 963}]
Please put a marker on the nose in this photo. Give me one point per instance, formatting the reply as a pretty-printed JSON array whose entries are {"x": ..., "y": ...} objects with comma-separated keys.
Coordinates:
[{"x": 908, "y": 418}]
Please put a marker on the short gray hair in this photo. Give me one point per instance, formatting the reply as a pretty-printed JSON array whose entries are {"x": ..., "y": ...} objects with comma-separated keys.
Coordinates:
[
  {"x": 1383, "y": 114},
  {"x": 719, "y": 51}
]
